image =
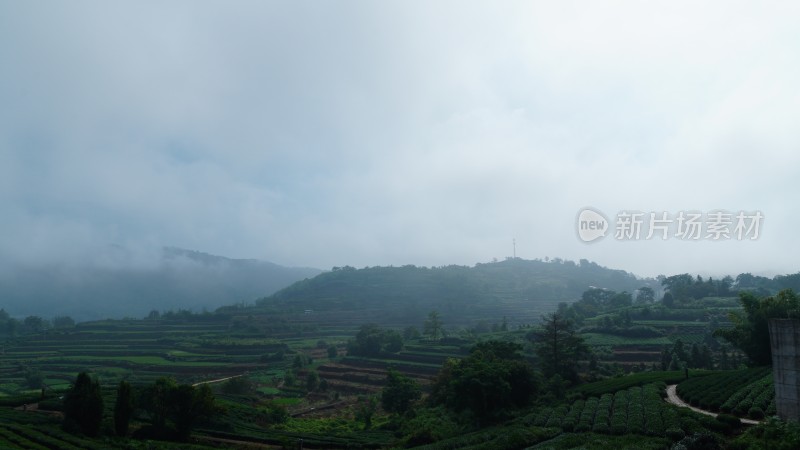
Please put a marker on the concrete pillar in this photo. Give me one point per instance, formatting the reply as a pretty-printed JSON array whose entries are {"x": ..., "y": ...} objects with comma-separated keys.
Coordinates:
[{"x": 784, "y": 336}]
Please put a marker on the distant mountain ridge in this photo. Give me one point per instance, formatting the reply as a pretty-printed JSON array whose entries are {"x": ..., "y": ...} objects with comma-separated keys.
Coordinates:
[
  {"x": 122, "y": 285},
  {"x": 518, "y": 289}
]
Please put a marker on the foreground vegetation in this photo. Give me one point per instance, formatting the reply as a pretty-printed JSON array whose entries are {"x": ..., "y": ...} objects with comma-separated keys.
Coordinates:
[{"x": 589, "y": 374}]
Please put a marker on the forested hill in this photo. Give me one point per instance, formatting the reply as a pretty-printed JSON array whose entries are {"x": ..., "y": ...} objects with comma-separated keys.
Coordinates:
[
  {"x": 516, "y": 288},
  {"x": 119, "y": 284}
]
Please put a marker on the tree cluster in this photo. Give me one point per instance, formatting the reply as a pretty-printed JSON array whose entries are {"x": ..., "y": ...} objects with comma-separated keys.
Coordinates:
[
  {"x": 679, "y": 357},
  {"x": 750, "y": 332},
  {"x": 682, "y": 288},
  {"x": 597, "y": 301},
  {"x": 399, "y": 393},
  {"x": 11, "y": 327},
  {"x": 490, "y": 381},
  {"x": 173, "y": 409},
  {"x": 372, "y": 340}
]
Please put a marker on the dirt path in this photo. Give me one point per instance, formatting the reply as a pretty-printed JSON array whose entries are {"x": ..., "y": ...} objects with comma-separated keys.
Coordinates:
[
  {"x": 672, "y": 397},
  {"x": 34, "y": 407},
  {"x": 218, "y": 380},
  {"x": 28, "y": 407},
  {"x": 317, "y": 408}
]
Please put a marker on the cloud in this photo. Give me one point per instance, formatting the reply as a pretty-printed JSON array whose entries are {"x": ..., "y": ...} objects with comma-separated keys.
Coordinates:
[{"x": 322, "y": 134}]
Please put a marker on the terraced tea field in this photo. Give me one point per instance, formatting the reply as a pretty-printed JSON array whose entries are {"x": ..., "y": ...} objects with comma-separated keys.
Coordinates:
[
  {"x": 745, "y": 393},
  {"x": 136, "y": 350}
]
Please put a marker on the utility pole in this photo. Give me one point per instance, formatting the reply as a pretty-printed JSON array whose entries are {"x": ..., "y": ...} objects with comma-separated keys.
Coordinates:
[{"x": 514, "y": 243}]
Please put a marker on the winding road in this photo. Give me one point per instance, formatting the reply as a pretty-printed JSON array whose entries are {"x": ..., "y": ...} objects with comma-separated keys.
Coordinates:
[{"x": 672, "y": 397}]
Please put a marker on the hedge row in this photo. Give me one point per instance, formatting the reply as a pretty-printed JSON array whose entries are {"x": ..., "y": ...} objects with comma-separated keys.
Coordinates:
[
  {"x": 756, "y": 396},
  {"x": 712, "y": 391}
]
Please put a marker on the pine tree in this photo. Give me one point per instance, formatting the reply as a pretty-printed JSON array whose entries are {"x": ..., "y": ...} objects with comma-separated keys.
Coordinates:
[
  {"x": 559, "y": 347},
  {"x": 433, "y": 326},
  {"x": 83, "y": 405},
  {"x": 696, "y": 357},
  {"x": 123, "y": 408}
]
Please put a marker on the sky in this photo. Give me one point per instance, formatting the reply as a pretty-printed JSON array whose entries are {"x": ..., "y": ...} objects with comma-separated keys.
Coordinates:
[{"x": 320, "y": 133}]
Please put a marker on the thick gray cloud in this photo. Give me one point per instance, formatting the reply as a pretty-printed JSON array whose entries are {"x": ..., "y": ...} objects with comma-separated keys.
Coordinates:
[{"x": 367, "y": 133}]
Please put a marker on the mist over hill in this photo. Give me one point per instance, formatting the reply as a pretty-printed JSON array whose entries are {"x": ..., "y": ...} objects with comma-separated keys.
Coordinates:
[
  {"x": 520, "y": 290},
  {"x": 121, "y": 283}
]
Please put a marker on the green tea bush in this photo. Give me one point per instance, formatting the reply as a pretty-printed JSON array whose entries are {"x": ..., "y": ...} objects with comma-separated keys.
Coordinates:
[{"x": 755, "y": 413}]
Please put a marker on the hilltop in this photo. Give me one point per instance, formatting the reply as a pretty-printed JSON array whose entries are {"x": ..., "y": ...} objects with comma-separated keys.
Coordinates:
[{"x": 518, "y": 289}]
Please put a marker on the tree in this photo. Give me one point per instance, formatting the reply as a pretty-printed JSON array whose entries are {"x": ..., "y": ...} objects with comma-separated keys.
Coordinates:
[
  {"x": 679, "y": 350},
  {"x": 175, "y": 409},
  {"x": 332, "y": 352},
  {"x": 724, "y": 361},
  {"x": 433, "y": 326},
  {"x": 63, "y": 322},
  {"x": 679, "y": 286},
  {"x": 410, "y": 332},
  {"x": 559, "y": 347},
  {"x": 368, "y": 341},
  {"x": 312, "y": 381},
  {"x": 668, "y": 300},
  {"x": 34, "y": 378},
  {"x": 676, "y": 363},
  {"x": 666, "y": 358},
  {"x": 491, "y": 380},
  {"x": 155, "y": 399},
  {"x": 365, "y": 410},
  {"x": 289, "y": 378},
  {"x": 12, "y": 327},
  {"x": 620, "y": 300},
  {"x": 400, "y": 391},
  {"x": 645, "y": 295},
  {"x": 597, "y": 298},
  {"x": 371, "y": 340},
  {"x": 724, "y": 287},
  {"x": 696, "y": 357},
  {"x": 123, "y": 408},
  {"x": 83, "y": 405},
  {"x": 393, "y": 341},
  {"x": 750, "y": 332},
  {"x": 34, "y": 324},
  {"x": 706, "y": 361},
  {"x": 190, "y": 405},
  {"x": 301, "y": 360}
]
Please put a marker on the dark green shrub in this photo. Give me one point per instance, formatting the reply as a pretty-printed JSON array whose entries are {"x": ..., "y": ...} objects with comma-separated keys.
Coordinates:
[
  {"x": 698, "y": 441},
  {"x": 730, "y": 420},
  {"x": 714, "y": 425},
  {"x": 542, "y": 416},
  {"x": 756, "y": 413},
  {"x": 675, "y": 434}
]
